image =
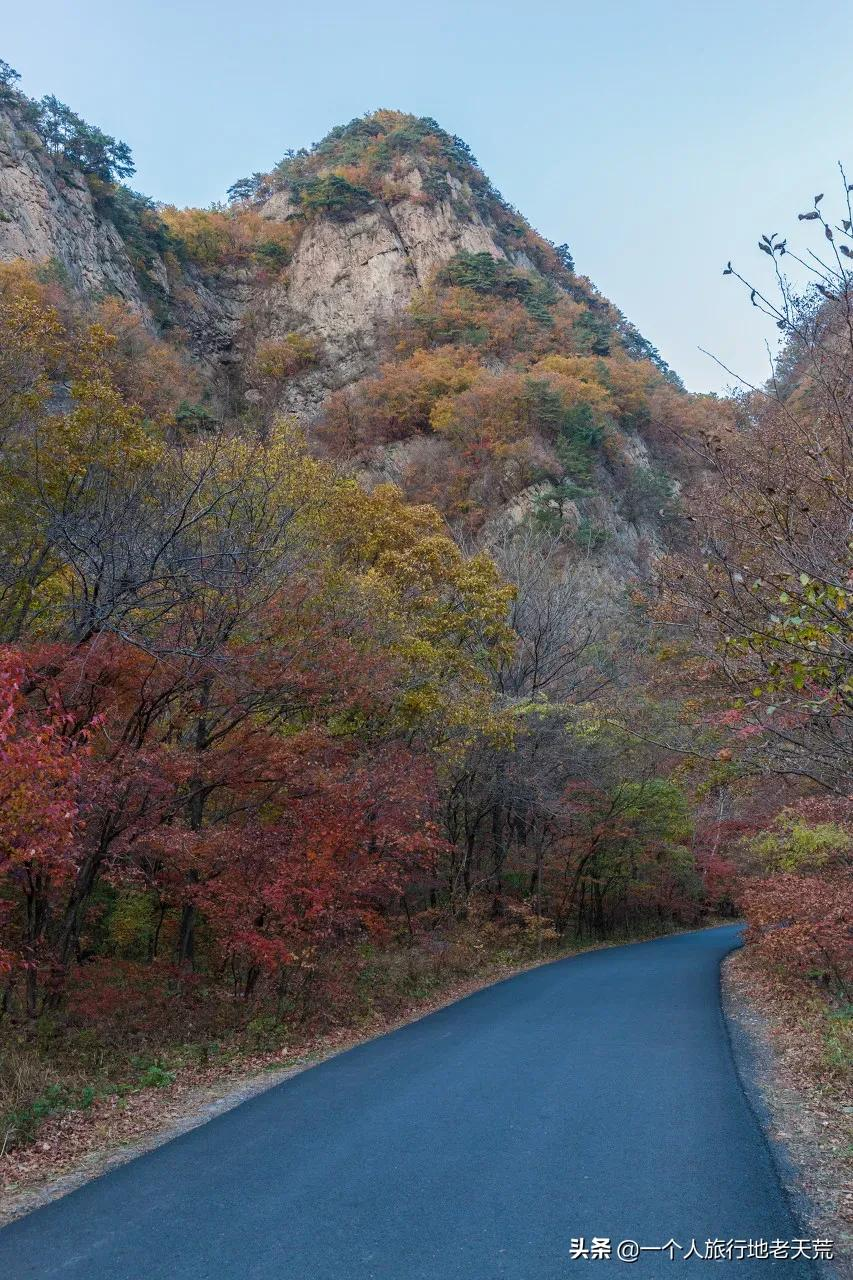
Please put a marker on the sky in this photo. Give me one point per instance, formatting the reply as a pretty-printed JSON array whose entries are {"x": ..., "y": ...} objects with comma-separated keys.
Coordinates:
[{"x": 658, "y": 138}]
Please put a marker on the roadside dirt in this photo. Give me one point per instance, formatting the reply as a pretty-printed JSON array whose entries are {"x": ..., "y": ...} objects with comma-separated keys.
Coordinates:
[{"x": 808, "y": 1117}]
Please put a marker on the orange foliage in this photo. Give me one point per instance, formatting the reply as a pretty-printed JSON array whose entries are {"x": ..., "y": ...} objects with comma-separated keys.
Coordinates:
[
  {"x": 216, "y": 238},
  {"x": 398, "y": 402},
  {"x": 148, "y": 371},
  {"x": 457, "y": 315}
]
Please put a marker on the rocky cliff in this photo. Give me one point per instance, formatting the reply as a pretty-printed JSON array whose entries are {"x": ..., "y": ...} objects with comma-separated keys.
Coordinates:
[
  {"x": 48, "y": 214},
  {"x": 349, "y": 278},
  {"x": 350, "y": 271},
  {"x": 346, "y": 280}
]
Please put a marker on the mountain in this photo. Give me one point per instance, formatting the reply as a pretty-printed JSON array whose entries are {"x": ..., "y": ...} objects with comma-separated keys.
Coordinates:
[
  {"x": 288, "y": 748},
  {"x": 378, "y": 287}
]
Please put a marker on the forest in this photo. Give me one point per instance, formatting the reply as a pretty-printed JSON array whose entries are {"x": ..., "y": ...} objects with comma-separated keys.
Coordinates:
[{"x": 291, "y": 747}]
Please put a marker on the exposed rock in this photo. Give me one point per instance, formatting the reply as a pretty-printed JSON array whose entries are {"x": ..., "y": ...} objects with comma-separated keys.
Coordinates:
[
  {"x": 347, "y": 282},
  {"x": 349, "y": 279},
  {"x": 47, "y": 215},
  {"x": 403, "y": 460},
  {"x": 521, "y": 509},
  {"x": 351, "y": 275},
  {"x": 279, "y": 207}
]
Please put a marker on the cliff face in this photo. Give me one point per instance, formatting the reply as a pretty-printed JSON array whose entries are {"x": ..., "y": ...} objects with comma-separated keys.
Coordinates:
[
  {"x": 46, "y": 214},
  {"x": 348, "y": 280}
]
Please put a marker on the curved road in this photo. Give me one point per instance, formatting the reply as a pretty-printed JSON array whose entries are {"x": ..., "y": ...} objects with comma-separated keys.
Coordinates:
[{"x": 595, "y": 1096}]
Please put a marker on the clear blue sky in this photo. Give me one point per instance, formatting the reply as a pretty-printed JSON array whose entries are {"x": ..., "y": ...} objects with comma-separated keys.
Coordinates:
[{"x": 657, "y": 137}]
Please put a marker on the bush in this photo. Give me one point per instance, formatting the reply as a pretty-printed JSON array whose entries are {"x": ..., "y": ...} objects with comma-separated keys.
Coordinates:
[
  {"x": 265, "y": 1032},
  {"x": 272, "y": 254},
  {"x": 334, "y": 196},
  {"x": 593, "y": 334},
  {"x": 590, "y": 536},
  {"x": 194, "y": 417},
  {"x": 484, "y": 274},
  {"x": 802, "y": 924},
  {"x": 793, "y": 844},
  {"x": 281, "y": 358},
  {"x": 156, "y": 1076},
  {"x": 649, "y": 494},
  {"x": 201, "y": 235},
  {"x": 25, "y": 1123}
]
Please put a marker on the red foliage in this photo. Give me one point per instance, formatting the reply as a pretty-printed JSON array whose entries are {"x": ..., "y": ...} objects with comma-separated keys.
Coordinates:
[
  {"x": 41, "y": 758},
  {"x": 216, "y": 788},
  {"x": 127, "y": 995},
  {"x": 351, "y": 835},
  {"x": 804, "y": 924}
]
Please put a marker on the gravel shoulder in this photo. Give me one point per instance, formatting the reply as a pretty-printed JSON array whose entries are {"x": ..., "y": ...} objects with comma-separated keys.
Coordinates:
[{"x": 807, "y": 1119}]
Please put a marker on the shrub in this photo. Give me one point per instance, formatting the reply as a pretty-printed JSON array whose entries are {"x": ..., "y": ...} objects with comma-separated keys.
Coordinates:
[
  {"x": 194, "y": 417},
  {"x": 484, "y": 274},
  {"x": 590, "y": 536},
  {"x": 202, "y": 235},
  {"x": 334, "y": 196},
  {"x": 649, "y": 494},
  {"x": 155, "y": 1076},
  {"x": 593, "y": 333},
  {"x": 803, "y": 925},
  {"x": 281, "y": 358},
  {"x": 272, "y": 254},
  {"x": 215, "y": 238},
  {"x": 793, "y": 844}
]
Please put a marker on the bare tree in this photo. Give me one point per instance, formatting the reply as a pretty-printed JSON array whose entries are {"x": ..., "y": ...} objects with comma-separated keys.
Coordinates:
[{"x": 767, "y": 582}]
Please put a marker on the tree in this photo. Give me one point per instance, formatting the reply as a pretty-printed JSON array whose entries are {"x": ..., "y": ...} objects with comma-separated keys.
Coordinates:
[
  {"x": 82, "y": 146},
  {"x": 243, "y": 189},
  {"x": 768, "y": 582},
  {"x": 564, "y": 254},
  {"x": 797, "y": 894},
  {"x": 39, "y": 810},
  {"x": 9, "y": 79},
  {"x": 256, "y": 649}
]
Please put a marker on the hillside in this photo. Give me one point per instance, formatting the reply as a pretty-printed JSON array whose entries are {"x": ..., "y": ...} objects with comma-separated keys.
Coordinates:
[
  {"x": 160, "y": 501},
  {"x": 378, "y": 287}
]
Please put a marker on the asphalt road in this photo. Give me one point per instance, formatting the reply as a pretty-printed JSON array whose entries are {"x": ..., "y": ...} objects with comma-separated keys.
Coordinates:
[{"x": 595, "y": 1096}]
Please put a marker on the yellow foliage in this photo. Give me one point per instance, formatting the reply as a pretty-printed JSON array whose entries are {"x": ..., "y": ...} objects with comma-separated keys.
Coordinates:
[
  {"x": 31, "y": 344},
  {"x": 579, "y": 380},
  {"x": 149, "y": 372},
  {"x": 215, "y": 238},
  {"x": 280, "y": 358},
  {"x": 440, "y": 613},
  {"x": 204, "y": 233}
]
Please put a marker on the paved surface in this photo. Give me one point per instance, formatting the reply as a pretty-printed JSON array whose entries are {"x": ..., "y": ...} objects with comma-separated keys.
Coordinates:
[{"x": 592, "y": 1097}]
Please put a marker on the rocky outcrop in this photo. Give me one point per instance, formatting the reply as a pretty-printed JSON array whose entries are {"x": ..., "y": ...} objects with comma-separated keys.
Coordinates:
[
  {"x": 49, "y": 215},
  {"x": 349, "y": 279},
  {"x": 346, "y": 275}
]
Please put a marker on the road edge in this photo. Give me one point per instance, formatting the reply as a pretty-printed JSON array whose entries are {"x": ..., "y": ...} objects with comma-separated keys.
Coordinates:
[{"x": 755, "y": 1063}]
